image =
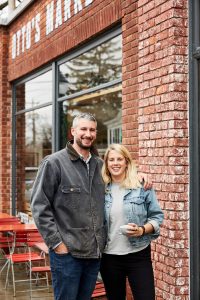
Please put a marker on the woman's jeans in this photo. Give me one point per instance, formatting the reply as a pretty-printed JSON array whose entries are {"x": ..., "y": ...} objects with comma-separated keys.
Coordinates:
[
  {"x": 137, "y": 267},
  {"x": 73, "y": 278}
]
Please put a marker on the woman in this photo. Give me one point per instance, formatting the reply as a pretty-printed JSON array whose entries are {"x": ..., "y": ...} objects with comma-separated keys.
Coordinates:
[{"x": 128, "y": 253}]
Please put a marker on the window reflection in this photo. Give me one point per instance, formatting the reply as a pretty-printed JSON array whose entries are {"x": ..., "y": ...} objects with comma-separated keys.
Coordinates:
[
  {"x": 35, "y": 92},
  {"x": 97, "y": 66},
  {"x": 105, "y": 105},
  {"x": 34, "y": 141}
]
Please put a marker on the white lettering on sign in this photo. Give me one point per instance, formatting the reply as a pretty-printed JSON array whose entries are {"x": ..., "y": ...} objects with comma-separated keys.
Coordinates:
[
  {"x": 87, "y": 2},
  {"x": 58, "y": 14},
  {"x": 77, "y": 6},
  {"x": 49, "y": 18},
  {"x": 23, "y": 37},
  {"x": 67, "y": 12},
  {"x": 14, "y": 43},
  {"x": 30, "y": 32},
  {"x": 21, "y": 40},
  {"x": 18, "y": 41},
  {"x": 28, "y": 35},
  {"x": 37, "y": 28}
]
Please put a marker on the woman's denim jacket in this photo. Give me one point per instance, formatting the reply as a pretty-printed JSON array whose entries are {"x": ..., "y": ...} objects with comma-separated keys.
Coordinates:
[{"x": 140, "y": 207}]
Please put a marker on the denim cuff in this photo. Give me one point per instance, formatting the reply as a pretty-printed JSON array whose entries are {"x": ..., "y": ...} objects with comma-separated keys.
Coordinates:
[{"x": 155, "y": 226}]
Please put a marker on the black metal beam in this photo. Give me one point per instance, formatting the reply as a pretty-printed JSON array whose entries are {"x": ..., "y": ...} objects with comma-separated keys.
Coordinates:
[{"x": 194, "y": 147}]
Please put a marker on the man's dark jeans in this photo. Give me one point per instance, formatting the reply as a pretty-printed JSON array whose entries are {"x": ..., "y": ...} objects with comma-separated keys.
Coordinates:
[{"x": 73, "y": 278}]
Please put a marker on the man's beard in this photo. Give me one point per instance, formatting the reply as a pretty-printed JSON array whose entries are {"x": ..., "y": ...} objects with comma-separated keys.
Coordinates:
[{"x": 79, "y": 143}]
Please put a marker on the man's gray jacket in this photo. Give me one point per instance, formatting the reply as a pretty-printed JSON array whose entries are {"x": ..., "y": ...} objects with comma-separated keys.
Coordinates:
[{"x": 68, "y": 203}]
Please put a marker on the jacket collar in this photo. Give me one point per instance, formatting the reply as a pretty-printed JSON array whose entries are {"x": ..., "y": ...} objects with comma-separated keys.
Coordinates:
[{"x": 74, "y": 155}]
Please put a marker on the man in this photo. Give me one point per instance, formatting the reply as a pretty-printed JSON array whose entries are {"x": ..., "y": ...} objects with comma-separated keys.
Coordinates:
[{"x": 67, "y": 206}]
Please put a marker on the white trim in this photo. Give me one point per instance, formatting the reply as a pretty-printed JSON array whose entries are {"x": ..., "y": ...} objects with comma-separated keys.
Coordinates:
[{"x": 14, "y": 14}]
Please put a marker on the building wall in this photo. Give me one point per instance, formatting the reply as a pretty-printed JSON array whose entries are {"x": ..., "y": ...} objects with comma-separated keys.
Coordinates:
[
  {"x": 163, "y": 134},
  {"x": 154, "y": 108},
  {"x": 155, "y": 125},
  {"x": 130, "y": 90},
  {"x": 5, "y": 124}
]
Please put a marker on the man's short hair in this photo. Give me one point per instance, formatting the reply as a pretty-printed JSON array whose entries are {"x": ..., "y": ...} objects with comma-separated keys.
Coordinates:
[{"x": 86, "y": 116}]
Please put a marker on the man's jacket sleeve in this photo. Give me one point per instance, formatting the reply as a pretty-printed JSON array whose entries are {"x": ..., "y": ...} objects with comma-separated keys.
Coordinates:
[{"x": 44, "y": 189}]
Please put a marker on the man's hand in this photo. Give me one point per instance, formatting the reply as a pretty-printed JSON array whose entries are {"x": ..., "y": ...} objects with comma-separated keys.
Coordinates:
[
  {"x": 143, "y": 178},
  {"x": 61, "y": 249}
]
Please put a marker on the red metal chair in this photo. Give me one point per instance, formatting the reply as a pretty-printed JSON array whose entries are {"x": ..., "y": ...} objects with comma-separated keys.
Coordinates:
[
  {"x": 38, "y": 270},
  {"x": 6, "y": 240},
  {"x": 27, "y": 257}
]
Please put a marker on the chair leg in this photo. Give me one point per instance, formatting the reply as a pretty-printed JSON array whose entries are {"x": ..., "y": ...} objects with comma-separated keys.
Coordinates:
[
  {"x": 13, "y": 276},
  {"x": 30, "y": 281},
  {"x": 47, "y": 278},
  {"x": 3, "y": 267},
  {"x": 38, "y": 279},
  {"x": 10, "y": 264},
  {"x": 7, "y": 274}
]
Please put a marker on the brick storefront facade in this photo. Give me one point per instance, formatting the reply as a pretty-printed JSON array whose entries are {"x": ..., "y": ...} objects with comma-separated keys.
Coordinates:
[{"x": 154, "y": 107}]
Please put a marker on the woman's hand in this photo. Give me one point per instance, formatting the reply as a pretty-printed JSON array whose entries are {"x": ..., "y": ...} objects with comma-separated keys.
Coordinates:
[{"x": 135, "y": 231}]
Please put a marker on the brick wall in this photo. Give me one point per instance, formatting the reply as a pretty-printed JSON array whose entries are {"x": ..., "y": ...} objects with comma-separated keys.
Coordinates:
[
  {"x": 163, "y": 134},
  {"x": 5, "y": 125},
  {"x": 130, "y": 76}
]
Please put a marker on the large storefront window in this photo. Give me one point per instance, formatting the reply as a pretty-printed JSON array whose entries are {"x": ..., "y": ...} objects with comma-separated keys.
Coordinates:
[
  {"x": 87, "y": 80},
  {"x": 33, "y": 134},
  {"x": 97, "y": 66},
  {"x": 35, "y": 92}
]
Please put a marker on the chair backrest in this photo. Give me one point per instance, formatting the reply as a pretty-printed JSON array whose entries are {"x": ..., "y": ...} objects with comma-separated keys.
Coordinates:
[
  {"x": 34, "y": 237},
  {"x": 24, "y": 238},
  {"x": 6, "y": 241},
  {"x": 10, "y": 220}
]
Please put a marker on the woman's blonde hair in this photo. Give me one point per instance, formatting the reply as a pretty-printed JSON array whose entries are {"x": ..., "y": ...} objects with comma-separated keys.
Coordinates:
[{"x": 131, "y": 179}]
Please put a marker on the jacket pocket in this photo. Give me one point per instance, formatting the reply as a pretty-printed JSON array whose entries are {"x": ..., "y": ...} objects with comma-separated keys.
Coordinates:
[
  {"x": 138, "y": 205},
  {"x": 71, "y": 196},
  {"x": 135, "y": 208},
  {"x": 78, "y": 239}
]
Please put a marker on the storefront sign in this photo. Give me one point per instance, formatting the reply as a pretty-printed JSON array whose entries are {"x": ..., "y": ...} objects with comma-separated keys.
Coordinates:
[{"x": 56, "y": 14}]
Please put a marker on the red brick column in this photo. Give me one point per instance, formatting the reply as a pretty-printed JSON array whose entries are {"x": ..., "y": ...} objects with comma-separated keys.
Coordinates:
[
  {"x": 130, "y": 82},
  {"x": 163, "y": 134},
  {"x": 130, "y": 76},
  {"x": 5, "y": 125}
]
